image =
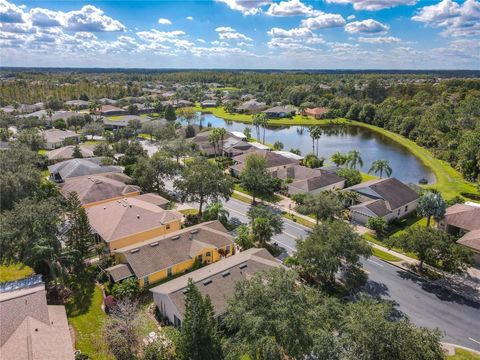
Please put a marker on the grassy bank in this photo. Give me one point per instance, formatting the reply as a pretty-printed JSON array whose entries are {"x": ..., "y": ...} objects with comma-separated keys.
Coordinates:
[
  {"x": 14, "y": 272},
  {"x": 448, "y": 181}
]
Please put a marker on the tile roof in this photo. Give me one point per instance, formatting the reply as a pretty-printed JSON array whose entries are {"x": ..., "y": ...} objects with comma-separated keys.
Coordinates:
[
  {"x": 93, "y": 188},
  {"x": 222, "y": 276},
  {"x": 161, "y": 252},
  {"x": 463, "y": 216},
  {"x": 66, "y": 152},
  {"x": 120, "y": 218}
]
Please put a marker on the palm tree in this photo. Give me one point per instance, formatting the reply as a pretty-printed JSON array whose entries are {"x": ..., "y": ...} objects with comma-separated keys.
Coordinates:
[
  {"x": 257, "y": 122},
  {"x": 263, "y": 123},
  {"x": 338, "y": 158},
  {"x": 213, "y": 139},
  {"x": 221, "y": 132},
  {"x": 315, "y": 134},
  {"x": 216, "y": 211},
  {"x": 354, "y": 159},
  {"x": 50, "y": 114},
  {"x": 379, "y": 166}
]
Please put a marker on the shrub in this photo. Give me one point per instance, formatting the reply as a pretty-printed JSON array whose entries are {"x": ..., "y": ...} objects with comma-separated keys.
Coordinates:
[{"x": 351, "y": 176}]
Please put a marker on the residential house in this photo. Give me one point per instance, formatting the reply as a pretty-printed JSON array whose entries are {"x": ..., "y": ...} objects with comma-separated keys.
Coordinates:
[
  {"x": 133, "y": 219},
  {"x": 123, "y": 121},
  {"x": 141, "y": 108},
  {"x": 55, "y": 138},
  {"x": 251, "y": 107},
  {"x": 388, "y": 198},
  {"x": 29, "y": 328},
  {"x": 164, "y": 256},
  {"x": 235, "y": 146},
  {"x": 208, "y": 103},
  {"x": 78, "y": 104},
  {"x": 80, "y": 167},
  {"x": 317, "y": 112},
  {"x": 289, "y": 154},
  {"x": 110, "y": 110},
  {"x": 463, "y": 220},
  {"x": 56, "y": 115},
  {"x": 281, "y": 111},
  {"x": 97, "y": 189},
  {"x": 107, "y": 101},
  {"x": 272, "y": 160},
  {"x": 216, "y": 280},
  {"x": 66, "y": 152},
  {"x": 301, "y": 179}
]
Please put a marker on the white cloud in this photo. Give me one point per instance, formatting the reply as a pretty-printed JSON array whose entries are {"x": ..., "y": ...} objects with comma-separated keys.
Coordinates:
[
  {"x": 247, "y": 7},
  {"x": 10, "y": 13},
  {"x": 368, "y": 26},
  {"x": 457, "y": 19},
  {"x": 163, "y": 21},
  {"x": 296, "y": 39},
  {"x": 201, "y": 41},
  {"x": 228, "y": 33},
  {"x": 324, "y": 21},
  {"x": 373, "y": 5},
  {"x": 90, "y": 18},
  {"x": 379, "y": 40},
  {"x": 291, "y": 33},
  {"x": 189, "y": 18},
  {"x": 291, "y": 8},
  {"x": 45, "y": 18},
  {"x": 351, "y": 17}
]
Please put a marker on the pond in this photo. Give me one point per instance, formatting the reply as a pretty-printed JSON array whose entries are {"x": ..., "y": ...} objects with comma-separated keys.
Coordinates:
[{"x": 373, "y": 146}]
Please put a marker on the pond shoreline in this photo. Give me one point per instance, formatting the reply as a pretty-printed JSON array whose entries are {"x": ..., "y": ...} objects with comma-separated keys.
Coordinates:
[{"x": 447, "y": 180}]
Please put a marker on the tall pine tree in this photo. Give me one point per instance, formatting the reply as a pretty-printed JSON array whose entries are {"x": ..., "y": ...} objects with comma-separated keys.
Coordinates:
[{"x": 198, "y": 337}]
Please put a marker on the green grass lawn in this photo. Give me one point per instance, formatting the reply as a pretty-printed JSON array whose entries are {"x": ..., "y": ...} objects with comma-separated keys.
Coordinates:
[
  {"x": 14, "y": 272},
  {"x": 86, "y": 316},
  {"x": 43, "y": 152},
  {"x": 189, "y": 212},
  {"x": 226, "y": 88},
  {"x": 384, "y": 255},
  {"x": 242, "y": 198},
  {"x": 268, "y": 198},
  {"x": 461, "y": 354},
  {"x": 299, "y": 220},
  {"x": 367, "y": 177},
  {"x": 375, "y": 240}
]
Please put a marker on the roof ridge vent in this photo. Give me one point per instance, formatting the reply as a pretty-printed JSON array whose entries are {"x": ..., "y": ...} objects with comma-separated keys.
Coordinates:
[
  {"x": 242, "y": 266},
  {"x": 134, "y": 251},
  {"x": 194, "y": 231},
  {"x": 208, "y": 281},
  {"x": 154, "y": 244},
  {"x": 226, "y": 273},
  {"x": 176, "y": 237}
]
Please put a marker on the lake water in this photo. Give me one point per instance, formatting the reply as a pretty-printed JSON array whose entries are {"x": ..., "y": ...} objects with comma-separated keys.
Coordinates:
[{"x": 373, "y": 146}]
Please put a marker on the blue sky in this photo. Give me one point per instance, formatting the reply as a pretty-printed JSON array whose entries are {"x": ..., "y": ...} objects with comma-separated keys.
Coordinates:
[{"x": 288, "y": 34}]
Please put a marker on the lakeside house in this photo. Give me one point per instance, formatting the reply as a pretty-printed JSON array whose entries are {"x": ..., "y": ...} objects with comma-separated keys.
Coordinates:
[
  {"x": 133, "y": 219},
  {"x": 22, "y": 108},
  {"x": 302, "y": 179},
  {"x": 79, "y": 104},
  {"x": 316, "y": 113},
  {"x": 56, "y": 115},
  {"x": 388, "y": 198},
  {"x": 111, "y": 110},
  {"x": 80, "y": 167},
  {"x": 164, "y": 256},
  {"x": 208, "y": 103},
  {"x": 217, "y": 280},
  {"x": 66, "y": 152},
  {"x": 463, "y": 220},
  {"x": 55, "y": 138},
  {"x": 122, "y": 121},
  {"x": 272, "y": 160},
  {"x": 283, "y": 111},
  {"x": 97, "y": 189},
  {"x": 251, "y": 107},
  {"x": 29, "y": 328}
]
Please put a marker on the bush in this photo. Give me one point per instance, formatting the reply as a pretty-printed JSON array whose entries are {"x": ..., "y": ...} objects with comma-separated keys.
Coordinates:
[
  {"x": 351, "y": 176},
  {"x": 126, "y": 289},
  {"x": 379, "y": 225}
]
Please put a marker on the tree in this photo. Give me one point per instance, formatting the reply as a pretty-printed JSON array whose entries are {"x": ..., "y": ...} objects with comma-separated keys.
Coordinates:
[
  {"x": 255, "y": 177},
  {"x": 324, "y": 205},
  {"x": 354, "y": 159},
  {"x": 170, "y": 114},
  {"x": 202, "y": 181},
  {"x": 31, "y": 138},
  {"x": 221, "y": 133},
  {"x": 216, "y": 211},
  {"x": 332, "y": 245},
  {"x": 315, "y": 134},
  {"x": 381, "y": 166},
  {"x": 277, "y": 145},
  {"x": 60, "y": 124},
  {"x": 187, "y": 113},
  {"x": 213, "y": 139},
  {"x": 313, "y": 161},
  {"x": 351, "y": 176},
  {"x": 150, "y": 173},
  {"x": 103, "y": 149},
  {"x": 79, "y": 238},
  {"x": 431, "y": 204},
  {"x": 379, "y": 225},
  {"x": 434, "y": 247},
  {"x": 132, "y": 109},
  {"x": 93, "y": 128},
  {"x": 257, "y": 122},
  {"x": 178, "y": 148},
  {"x": 198, "y": 336},
  {"x": 339, "y": 159},
  {"x": 126, "y": 289},
  {"x": 243, "y": 238},
  {"x": 264, "y": 224},
  {"x": 77, "y": 153},
  {"x": 247, "y": 132}
]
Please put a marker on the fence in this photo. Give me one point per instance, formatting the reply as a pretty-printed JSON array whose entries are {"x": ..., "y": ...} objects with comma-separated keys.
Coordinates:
[{"x": 20, "y": 284}]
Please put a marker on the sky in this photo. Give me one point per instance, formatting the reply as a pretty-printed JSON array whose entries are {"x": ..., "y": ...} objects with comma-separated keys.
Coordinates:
[{"x": 242, "y": 34}]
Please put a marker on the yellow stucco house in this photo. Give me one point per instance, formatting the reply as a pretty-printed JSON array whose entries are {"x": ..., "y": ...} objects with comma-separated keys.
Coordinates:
[
  {"x": 165, "y": 256},
  {"x": 130, "y": 220}
]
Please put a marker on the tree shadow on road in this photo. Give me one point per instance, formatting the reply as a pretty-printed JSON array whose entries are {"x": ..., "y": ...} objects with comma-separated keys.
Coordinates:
[{"x": 376, "y": 289}]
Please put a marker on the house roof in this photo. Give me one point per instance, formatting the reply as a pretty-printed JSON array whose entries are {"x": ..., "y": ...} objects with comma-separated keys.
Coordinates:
[
  {"x": 110, "y": 108},
  {"x": 316, "y": 111},
  {"x": 66, "y": 152},
  {"x": 471, "y": 239},
  {"x": 56, "y": 135},
  {"x": 119, "y": 272},
  {"x": 376, "y": 207},
  {"x": 222, "y": 277},
  {"x": 393, "y": 191},
  {"x": 252, "y": 105},
  {"x": 162, "y": 252},
  {"x": 123, "y": 120},
  {"x": 281, "y": 109},
  {"x": 32, "y": 330},
  {"x": 81, "y": 167},
  {"x": 317, "y": 182},
  {"x": 463, "y": 216},
  {"x": 272, "y": 159},
  {"x": 93, "y": 188},
  {"x": 77, "y": 102},
  {"x": 120, "y": 218}
]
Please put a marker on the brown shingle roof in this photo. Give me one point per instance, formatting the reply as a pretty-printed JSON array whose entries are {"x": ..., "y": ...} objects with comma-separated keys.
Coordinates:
[
  {"x": 378, "y": 207},
  {"x": 119, "y": 272},
  {"x": 161, "y": 252},
  {"x": 471, "y": 240},
  {"x": 93, "y": 188},
  {"x": 463, "y": 216},
  {"x": 120, "y": 218},
  {"x": 56, "y": 135},
  {"x": 306, "y": 179},
  {"x": 66, "y": 152},
  {"x": 223, "y": 274},
  {"x": 272, "y": 159}
]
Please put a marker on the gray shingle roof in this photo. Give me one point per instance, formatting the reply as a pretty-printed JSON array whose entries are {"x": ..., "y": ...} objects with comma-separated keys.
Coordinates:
[{"x": 81, "y": 167}]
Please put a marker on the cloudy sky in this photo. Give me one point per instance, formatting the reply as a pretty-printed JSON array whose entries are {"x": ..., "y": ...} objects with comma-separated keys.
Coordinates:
[{"x": 281, "y": 34}]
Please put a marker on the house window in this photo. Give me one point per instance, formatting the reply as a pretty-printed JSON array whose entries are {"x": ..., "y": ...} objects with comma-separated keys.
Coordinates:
[
  {"x": 169, "y": 272},
  {"x": 406, "y": 208},
  {"x": 227, "y": 248},
  {"x": 398, "y": 212},
  {"x": 199, "y": 258},
  {"x": 146, "y": 282},
  {"x": 168, "y": 226},
  {"x": 208, "y": 254},
  {"x": 177, "y": 322}
]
